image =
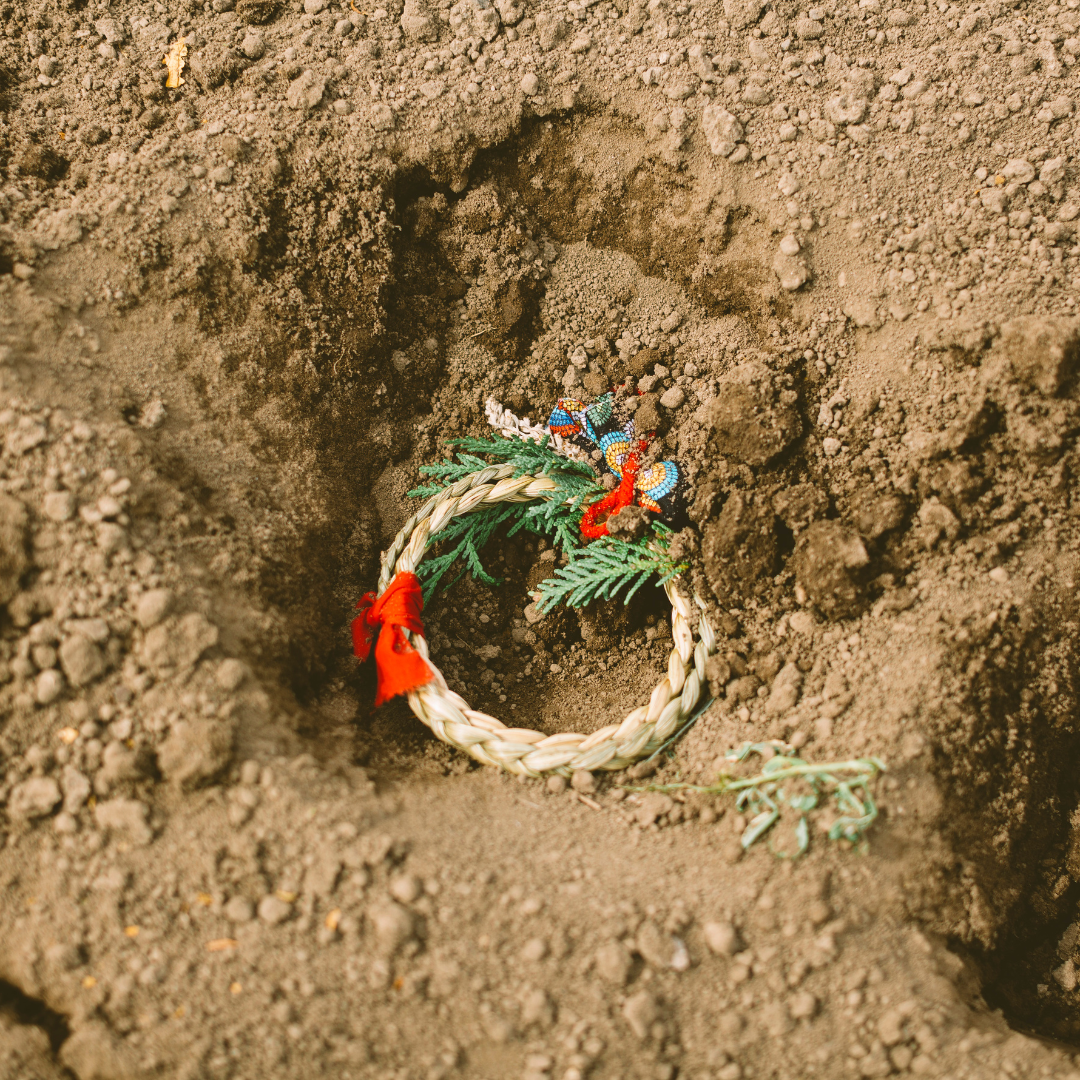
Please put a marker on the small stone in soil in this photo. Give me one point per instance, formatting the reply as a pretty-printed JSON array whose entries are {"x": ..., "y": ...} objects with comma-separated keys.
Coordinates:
[
  {"x": 196, "y": 751},
  {"x": 722, "y": 938},
  {"x": 614, "y": 963},
  {"x": 126, "y": 817},
  {"x": 81, "y": 660},
  {"x": 49, "y": 686},
  {"x": 231, "y": 674},
  {"x": 534, "y": 949},
  {"x": 239, "y": 909},
  {"x": 583, "y": 781},
  {"x": 641, "y": 1011},
  {"x": 152, "y": 607},
  {"x": 393, "y": 925},
  {"x": 273, "y": 910},
  {"x": 58, "y": 506},
  {"x": 33, "y": 798},
  {"x": 406, "y": 888}
]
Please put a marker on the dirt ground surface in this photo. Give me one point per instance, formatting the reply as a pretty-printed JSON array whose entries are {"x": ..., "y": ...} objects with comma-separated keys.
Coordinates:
[{"x": 827, "y": 253}]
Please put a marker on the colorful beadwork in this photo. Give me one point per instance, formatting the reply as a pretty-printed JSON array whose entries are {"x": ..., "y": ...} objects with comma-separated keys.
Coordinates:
[
  {"x": 597, "y": 426},
  {"x": 655, "y": 482}
]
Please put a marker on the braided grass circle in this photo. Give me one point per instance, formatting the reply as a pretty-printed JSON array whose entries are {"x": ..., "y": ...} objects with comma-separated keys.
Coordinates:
[{"x": 520, "y": 750}]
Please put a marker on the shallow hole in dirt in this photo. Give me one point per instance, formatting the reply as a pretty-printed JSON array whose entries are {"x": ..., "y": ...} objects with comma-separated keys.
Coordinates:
[
  {"x": 484, "y": 260},
  {"x": 570, "y": 671},
  {"x": 28, "y": 1010}
]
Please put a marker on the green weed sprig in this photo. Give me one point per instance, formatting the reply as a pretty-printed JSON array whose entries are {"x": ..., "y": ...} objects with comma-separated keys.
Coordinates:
[{"x": 787, "y": 781}]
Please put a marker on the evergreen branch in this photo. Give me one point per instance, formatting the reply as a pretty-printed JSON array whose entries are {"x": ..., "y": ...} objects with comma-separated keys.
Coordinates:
[
  {"x": 529, "y": 456},
  {"x": 472, "y": 532},
  {"x": 604, "y": 568},
  {"x": 448, "y": 472},
  {"x": 558, "y": 516}
]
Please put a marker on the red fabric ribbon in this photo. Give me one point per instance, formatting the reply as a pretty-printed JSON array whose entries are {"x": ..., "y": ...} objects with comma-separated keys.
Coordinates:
[
  {"x": 611, "y": 503},
  {"x": 401, "y": 669}
]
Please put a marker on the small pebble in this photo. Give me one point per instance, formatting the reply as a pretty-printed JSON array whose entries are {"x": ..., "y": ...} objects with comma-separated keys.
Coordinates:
[
  {"x": 655, "y": 945},
  {"x": 152, "y": 607},
  {"x": 721, "y": 937},
  {"x": 240, "y": 909},
  {"x": 274, "y": 910},
  {"x": 253, "y": 45},
  {"x": 673, "y": 397},
  {"x": 406, "y": 888},
  {"x": 641, "y": 1011},
  {"x": 534, "y": 949},
  {"x": 76, "y": 789},
  {"x": 530, "y": 84},
  {"x": 44, "y": 656},
  {"x": 111, "y": 537},
  {"x": 81, "y": 660},
  {"x": 393, "y": 925},
  {"x": 33, "y": 798},
  {"x": 614, "y": 963},
  {"x": 583, "y": 781},
  {"x": 109, "y": 507},
  {"x": 58, "y": 506},
  {"x": 126, "y": 817},
  {"x": 231, "y": 674},
  {"x": 49, "y": 686}
]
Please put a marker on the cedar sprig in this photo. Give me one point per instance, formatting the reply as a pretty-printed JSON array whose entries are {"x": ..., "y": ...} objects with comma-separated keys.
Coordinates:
[
  {"x": 471, "y": 532},
  {"x": 525, "y": 455},
  {"x": 606, "y": 567},
  {"x": 557, "y": 516},
  {"x": 596, "y": 571}
]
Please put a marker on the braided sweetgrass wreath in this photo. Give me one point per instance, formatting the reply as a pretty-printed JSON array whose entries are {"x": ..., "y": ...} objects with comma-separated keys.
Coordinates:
[
  {"x": 520, "y": 750},
  {"x": 542, "y": 483}
]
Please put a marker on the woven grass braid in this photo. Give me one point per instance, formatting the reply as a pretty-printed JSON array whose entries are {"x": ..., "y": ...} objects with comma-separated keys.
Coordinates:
[{"x": 520, "y": 750}]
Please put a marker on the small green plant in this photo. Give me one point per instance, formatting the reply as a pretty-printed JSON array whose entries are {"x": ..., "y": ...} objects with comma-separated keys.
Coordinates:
[
  {"x": 788, "y": 783},
  {"x": 598, "y": 570}
]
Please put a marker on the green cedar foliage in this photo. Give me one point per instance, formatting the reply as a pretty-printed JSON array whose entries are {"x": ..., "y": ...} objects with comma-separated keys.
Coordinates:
[
  {"x": 597, "y": 571},
  {"x": 606, "y": 567}
]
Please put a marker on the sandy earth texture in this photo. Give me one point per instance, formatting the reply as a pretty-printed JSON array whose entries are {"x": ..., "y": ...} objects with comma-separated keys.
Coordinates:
[{"x": 827, "y": 253}]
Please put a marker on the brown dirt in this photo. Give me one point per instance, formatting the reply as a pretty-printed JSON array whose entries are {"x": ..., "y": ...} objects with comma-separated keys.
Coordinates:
[{"x": 236, "y": 318}]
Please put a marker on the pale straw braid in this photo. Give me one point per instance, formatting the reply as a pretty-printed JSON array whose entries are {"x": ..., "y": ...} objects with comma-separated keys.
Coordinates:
[{"x": 520, "y": 750}]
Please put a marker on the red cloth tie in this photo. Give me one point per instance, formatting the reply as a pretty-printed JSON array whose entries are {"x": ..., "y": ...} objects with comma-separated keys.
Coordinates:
[
  {"x": 611, "y": 503},
  {"x": 400, "y": 668}
]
